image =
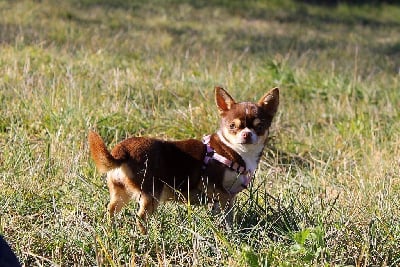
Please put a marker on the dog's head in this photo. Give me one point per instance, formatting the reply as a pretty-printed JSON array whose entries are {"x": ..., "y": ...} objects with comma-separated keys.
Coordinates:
[{"x": 246, "y": 124}]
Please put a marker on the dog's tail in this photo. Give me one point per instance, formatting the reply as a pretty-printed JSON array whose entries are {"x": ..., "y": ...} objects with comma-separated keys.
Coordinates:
[{"x": 100, "y": 154}]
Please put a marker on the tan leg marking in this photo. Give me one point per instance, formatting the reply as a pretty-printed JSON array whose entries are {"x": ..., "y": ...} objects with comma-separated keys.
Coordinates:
[
  {"x": 119, "y": 197},
  {"x": 147, "y": 206}
]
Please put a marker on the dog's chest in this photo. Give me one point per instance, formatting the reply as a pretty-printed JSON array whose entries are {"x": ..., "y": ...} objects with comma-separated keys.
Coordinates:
[{"x": 234, "y": 182}]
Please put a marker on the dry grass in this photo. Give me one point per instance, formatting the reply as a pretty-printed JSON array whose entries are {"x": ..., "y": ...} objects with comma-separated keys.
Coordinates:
[{"x": 326, "y": 192}]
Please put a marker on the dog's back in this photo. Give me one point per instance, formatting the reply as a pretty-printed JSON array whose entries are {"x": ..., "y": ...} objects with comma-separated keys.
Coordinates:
[
  {"x": 153, "y": 162},
  {"x": 149, "y": 170}
]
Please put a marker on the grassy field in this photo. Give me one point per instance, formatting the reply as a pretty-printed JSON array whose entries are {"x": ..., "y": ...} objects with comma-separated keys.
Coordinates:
[{"x": 327, "y": 190}]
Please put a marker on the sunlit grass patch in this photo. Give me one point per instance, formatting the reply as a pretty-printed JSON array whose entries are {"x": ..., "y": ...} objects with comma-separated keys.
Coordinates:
[{"x": 326, "y": 191}]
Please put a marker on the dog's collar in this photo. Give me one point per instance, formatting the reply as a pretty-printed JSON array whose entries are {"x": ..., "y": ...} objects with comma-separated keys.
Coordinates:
[{"x": 244, "y": 175}]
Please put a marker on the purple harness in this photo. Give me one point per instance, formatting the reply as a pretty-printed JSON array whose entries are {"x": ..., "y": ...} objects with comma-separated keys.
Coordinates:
[{"x": 244, "y": 175}]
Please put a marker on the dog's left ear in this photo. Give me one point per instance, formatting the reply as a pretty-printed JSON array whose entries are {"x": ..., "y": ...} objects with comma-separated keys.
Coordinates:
[
  {"x": 223, "y": 99},
  {"x": 270, "y": 101}
]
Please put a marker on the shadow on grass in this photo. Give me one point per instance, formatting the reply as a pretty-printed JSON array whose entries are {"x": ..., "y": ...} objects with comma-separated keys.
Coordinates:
[
  {"x": 260, "y": 43},
  {"x": 297, "y": 12},
  {"x": 349, "y": 2},
  {"x": 278, "y": 217},
  {"x": 272, "y": 217}
]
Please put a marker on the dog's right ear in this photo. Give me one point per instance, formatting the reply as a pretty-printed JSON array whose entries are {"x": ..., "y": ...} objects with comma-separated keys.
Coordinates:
[{"x": 223, "y": 100}]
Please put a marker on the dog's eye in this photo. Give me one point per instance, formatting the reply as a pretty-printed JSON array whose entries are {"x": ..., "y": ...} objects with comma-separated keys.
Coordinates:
[
  {"x": 259, "y": 127},
  {"x": 232, "y": 126}
]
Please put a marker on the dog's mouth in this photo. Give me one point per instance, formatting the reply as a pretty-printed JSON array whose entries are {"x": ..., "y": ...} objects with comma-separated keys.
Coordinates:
[
  {"x": 247, "y": 139},
  {"x": 246, "y": 142}
]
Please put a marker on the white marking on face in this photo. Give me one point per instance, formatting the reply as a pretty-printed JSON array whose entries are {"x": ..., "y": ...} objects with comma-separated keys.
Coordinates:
[
  {"x": 249, "y": 152},
  {"x": 241, "y": 136}
]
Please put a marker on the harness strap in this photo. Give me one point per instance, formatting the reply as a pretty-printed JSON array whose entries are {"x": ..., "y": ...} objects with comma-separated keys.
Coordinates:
[{"x": 211, "y": 154}]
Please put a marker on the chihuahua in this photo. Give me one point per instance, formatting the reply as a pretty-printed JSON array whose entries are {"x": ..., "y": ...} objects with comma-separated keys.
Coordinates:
[{"x": 213, "y": 170}]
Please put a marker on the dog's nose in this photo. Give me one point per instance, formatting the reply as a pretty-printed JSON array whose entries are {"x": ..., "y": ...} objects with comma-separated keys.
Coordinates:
[{"x": 246, "y": 135}]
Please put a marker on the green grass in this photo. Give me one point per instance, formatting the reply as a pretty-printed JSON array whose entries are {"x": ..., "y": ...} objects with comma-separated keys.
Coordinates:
[{"x": 327, "y": 189}]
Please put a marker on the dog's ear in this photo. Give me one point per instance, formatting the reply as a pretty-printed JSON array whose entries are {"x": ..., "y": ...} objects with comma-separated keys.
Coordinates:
[
  {"x": 270, "y": 101},
  {"x": 223, "y": 99}
]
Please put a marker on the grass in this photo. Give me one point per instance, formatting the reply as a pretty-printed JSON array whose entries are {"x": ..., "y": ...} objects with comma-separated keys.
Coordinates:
[{"x": 327, "y": 190}]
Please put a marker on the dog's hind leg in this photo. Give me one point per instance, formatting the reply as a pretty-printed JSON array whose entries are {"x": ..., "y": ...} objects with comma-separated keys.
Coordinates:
[
  {"x": 119, "y": 196},
  {"x": 147, "y": 205}
]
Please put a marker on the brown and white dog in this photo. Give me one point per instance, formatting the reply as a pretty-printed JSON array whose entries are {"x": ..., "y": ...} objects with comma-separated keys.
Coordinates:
[{"x": 213, "y": 170}]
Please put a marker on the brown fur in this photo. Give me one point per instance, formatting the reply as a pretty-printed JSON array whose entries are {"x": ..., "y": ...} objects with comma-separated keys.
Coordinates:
[{"x": 152, "y": 170}]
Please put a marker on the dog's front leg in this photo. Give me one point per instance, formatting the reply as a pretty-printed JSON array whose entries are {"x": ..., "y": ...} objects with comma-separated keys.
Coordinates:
[
  {"x": 225, "y": 207},
  {"x": 229, "y": 212},
  {"x": 147, "y": 205}
]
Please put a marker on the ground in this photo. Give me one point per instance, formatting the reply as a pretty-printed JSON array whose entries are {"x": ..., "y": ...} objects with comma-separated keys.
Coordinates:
[{"x": 326, "y": 191}]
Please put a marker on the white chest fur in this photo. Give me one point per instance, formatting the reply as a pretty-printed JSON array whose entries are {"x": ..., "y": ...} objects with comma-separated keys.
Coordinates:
[
  {"x": 250, "y": 153},
  {"x": 234, "y": 182}
]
